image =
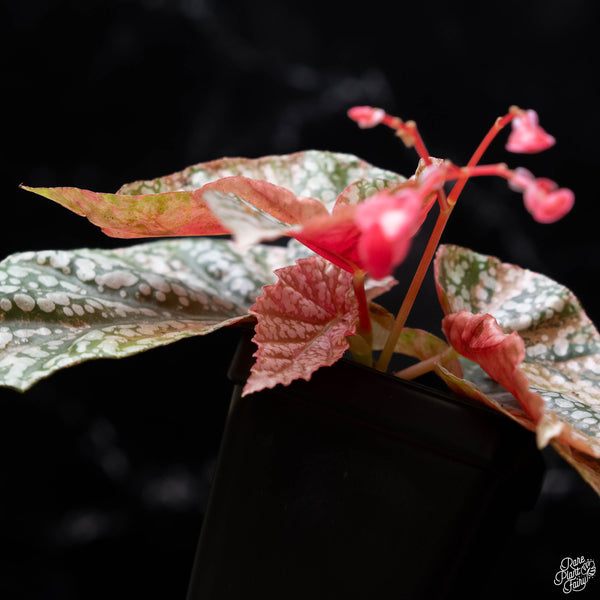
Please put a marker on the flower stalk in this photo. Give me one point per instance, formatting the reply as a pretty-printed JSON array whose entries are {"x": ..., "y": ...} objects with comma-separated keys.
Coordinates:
[
  {"x": 446, "y": 208},
  {"x": 427, "y": 365}
]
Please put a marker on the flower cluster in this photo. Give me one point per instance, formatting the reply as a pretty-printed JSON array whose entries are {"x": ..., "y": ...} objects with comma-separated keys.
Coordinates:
[{"x": 375, "y": 236}]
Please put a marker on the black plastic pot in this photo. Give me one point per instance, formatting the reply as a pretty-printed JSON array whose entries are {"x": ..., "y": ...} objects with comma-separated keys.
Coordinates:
[{"x": 359, "y": 485}]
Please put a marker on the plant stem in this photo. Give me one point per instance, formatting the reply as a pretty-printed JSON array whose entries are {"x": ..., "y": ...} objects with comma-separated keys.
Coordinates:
[
  {"x": 409, "y": 134},
  {"x": 364, "y": 319},
  {"x": 500, "y": 123},
  {"x": 429, "y": 364},
  {"x": 361, "y": 344},
  {"x": 407, "y": 304},
  {"x": 386, "y": 354}
]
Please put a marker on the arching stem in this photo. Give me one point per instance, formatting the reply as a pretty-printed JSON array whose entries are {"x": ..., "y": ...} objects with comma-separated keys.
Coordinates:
[{"x": 434, "y": 240}]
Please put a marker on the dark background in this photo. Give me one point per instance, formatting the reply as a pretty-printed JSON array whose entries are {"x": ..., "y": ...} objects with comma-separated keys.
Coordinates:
[{"x": 105, "y": 468}]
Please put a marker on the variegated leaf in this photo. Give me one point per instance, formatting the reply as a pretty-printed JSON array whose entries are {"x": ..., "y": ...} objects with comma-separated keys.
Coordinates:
[
  {"x": 312, "y": 173},
  {"x": 168, "y": 214},
  {"x": 303, "y": 321},
  {"x": 362, "y": 189},
  {"x": 255, "y": 199},
  {"x": 59, "y": 308},
  {"x": 562, "y": 346}
]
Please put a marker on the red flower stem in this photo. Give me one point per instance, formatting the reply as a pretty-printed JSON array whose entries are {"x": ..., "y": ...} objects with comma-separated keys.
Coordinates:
[
  {"x": 500, "y": 123},
  {"x": 436, "y": 235},
  {"x": 409, "y": 134},
  {"x": 364, "y": 319},
  {"x": 427, "y": 365},
  {"x": 407, "y": 304}
]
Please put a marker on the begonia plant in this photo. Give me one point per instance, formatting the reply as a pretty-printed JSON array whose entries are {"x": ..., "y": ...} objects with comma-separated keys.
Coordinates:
[{"x": 515, "y": 340}]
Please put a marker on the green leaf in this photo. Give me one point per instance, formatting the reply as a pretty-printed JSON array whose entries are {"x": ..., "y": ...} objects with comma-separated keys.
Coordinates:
[
  {"x": 562, "y": 346},
  {"x": 59, "y": 308}
]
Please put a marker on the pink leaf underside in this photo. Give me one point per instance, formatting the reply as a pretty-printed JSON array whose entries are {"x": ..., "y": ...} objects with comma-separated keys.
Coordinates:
[
  {"x": 548, "y": 382},
  {"x": 480, "y": 339},
  {"x": 180, "y": 213},
  {"x": 303, "y": 321}
]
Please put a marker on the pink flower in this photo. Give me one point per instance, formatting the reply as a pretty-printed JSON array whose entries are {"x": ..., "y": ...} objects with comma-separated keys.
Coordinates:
[
  {"x": 387, "y": 222},
  {"x": 527, "y": 135},
  {"x": 546, "y": 202},
  {"x": 366, "y": 116},
  {"x": 542, "y": 197}
]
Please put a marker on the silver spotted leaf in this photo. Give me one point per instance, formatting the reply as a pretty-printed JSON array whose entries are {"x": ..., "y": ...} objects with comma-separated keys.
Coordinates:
[
  {"x": 562, "y": 347},
  {"x": 313, "y": 173},
  {"x": 59, "y": 308}
]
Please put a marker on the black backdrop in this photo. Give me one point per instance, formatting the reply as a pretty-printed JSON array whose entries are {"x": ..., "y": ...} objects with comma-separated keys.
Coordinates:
[{"x": 105, "y": 468}]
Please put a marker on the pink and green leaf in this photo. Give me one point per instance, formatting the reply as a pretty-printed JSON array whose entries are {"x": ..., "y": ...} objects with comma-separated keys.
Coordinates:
[
  {"x": 60, "y": 308},
  {"x": 254, "y": 199},
  {"x": 303, "y": 322},
  {"x": 314, "y": 174},
  {"x": 556, "y": 376},
  {"x": 167, "y": 214},
  {"x": 255, "y": 210}
]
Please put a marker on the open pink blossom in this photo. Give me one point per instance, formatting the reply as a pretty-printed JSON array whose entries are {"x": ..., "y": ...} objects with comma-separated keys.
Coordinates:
[
  {"x": 366, "y": 116},
  {"x": 387, "y": 223},
  {"x": 527, "y": 135}
]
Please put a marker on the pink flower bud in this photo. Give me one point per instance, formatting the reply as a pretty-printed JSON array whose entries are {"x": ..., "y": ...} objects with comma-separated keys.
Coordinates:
[
  {"x": 366, "y": 116},
  {"x": 546, "y": 202},
  {"x": 527, "y": 135}
]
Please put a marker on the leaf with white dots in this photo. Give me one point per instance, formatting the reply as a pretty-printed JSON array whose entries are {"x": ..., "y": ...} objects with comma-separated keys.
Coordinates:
[
  {"x": 313, "y": 173},
  {"x": 59, "y": 308},
  {"x": 252, "y": 198},
  {"x": 561, "y": 360},
  {"x": 303, "y": 321}
]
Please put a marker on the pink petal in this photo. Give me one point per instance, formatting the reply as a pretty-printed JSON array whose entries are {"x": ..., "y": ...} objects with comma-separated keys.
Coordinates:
[
  {"x": 527, "y": 136},
  {"x": 334, "y": 237},
  {"x": 546, "y": 203},
  {"x": 366, "y": 116},
  {"x": 388, "y": 222}
]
